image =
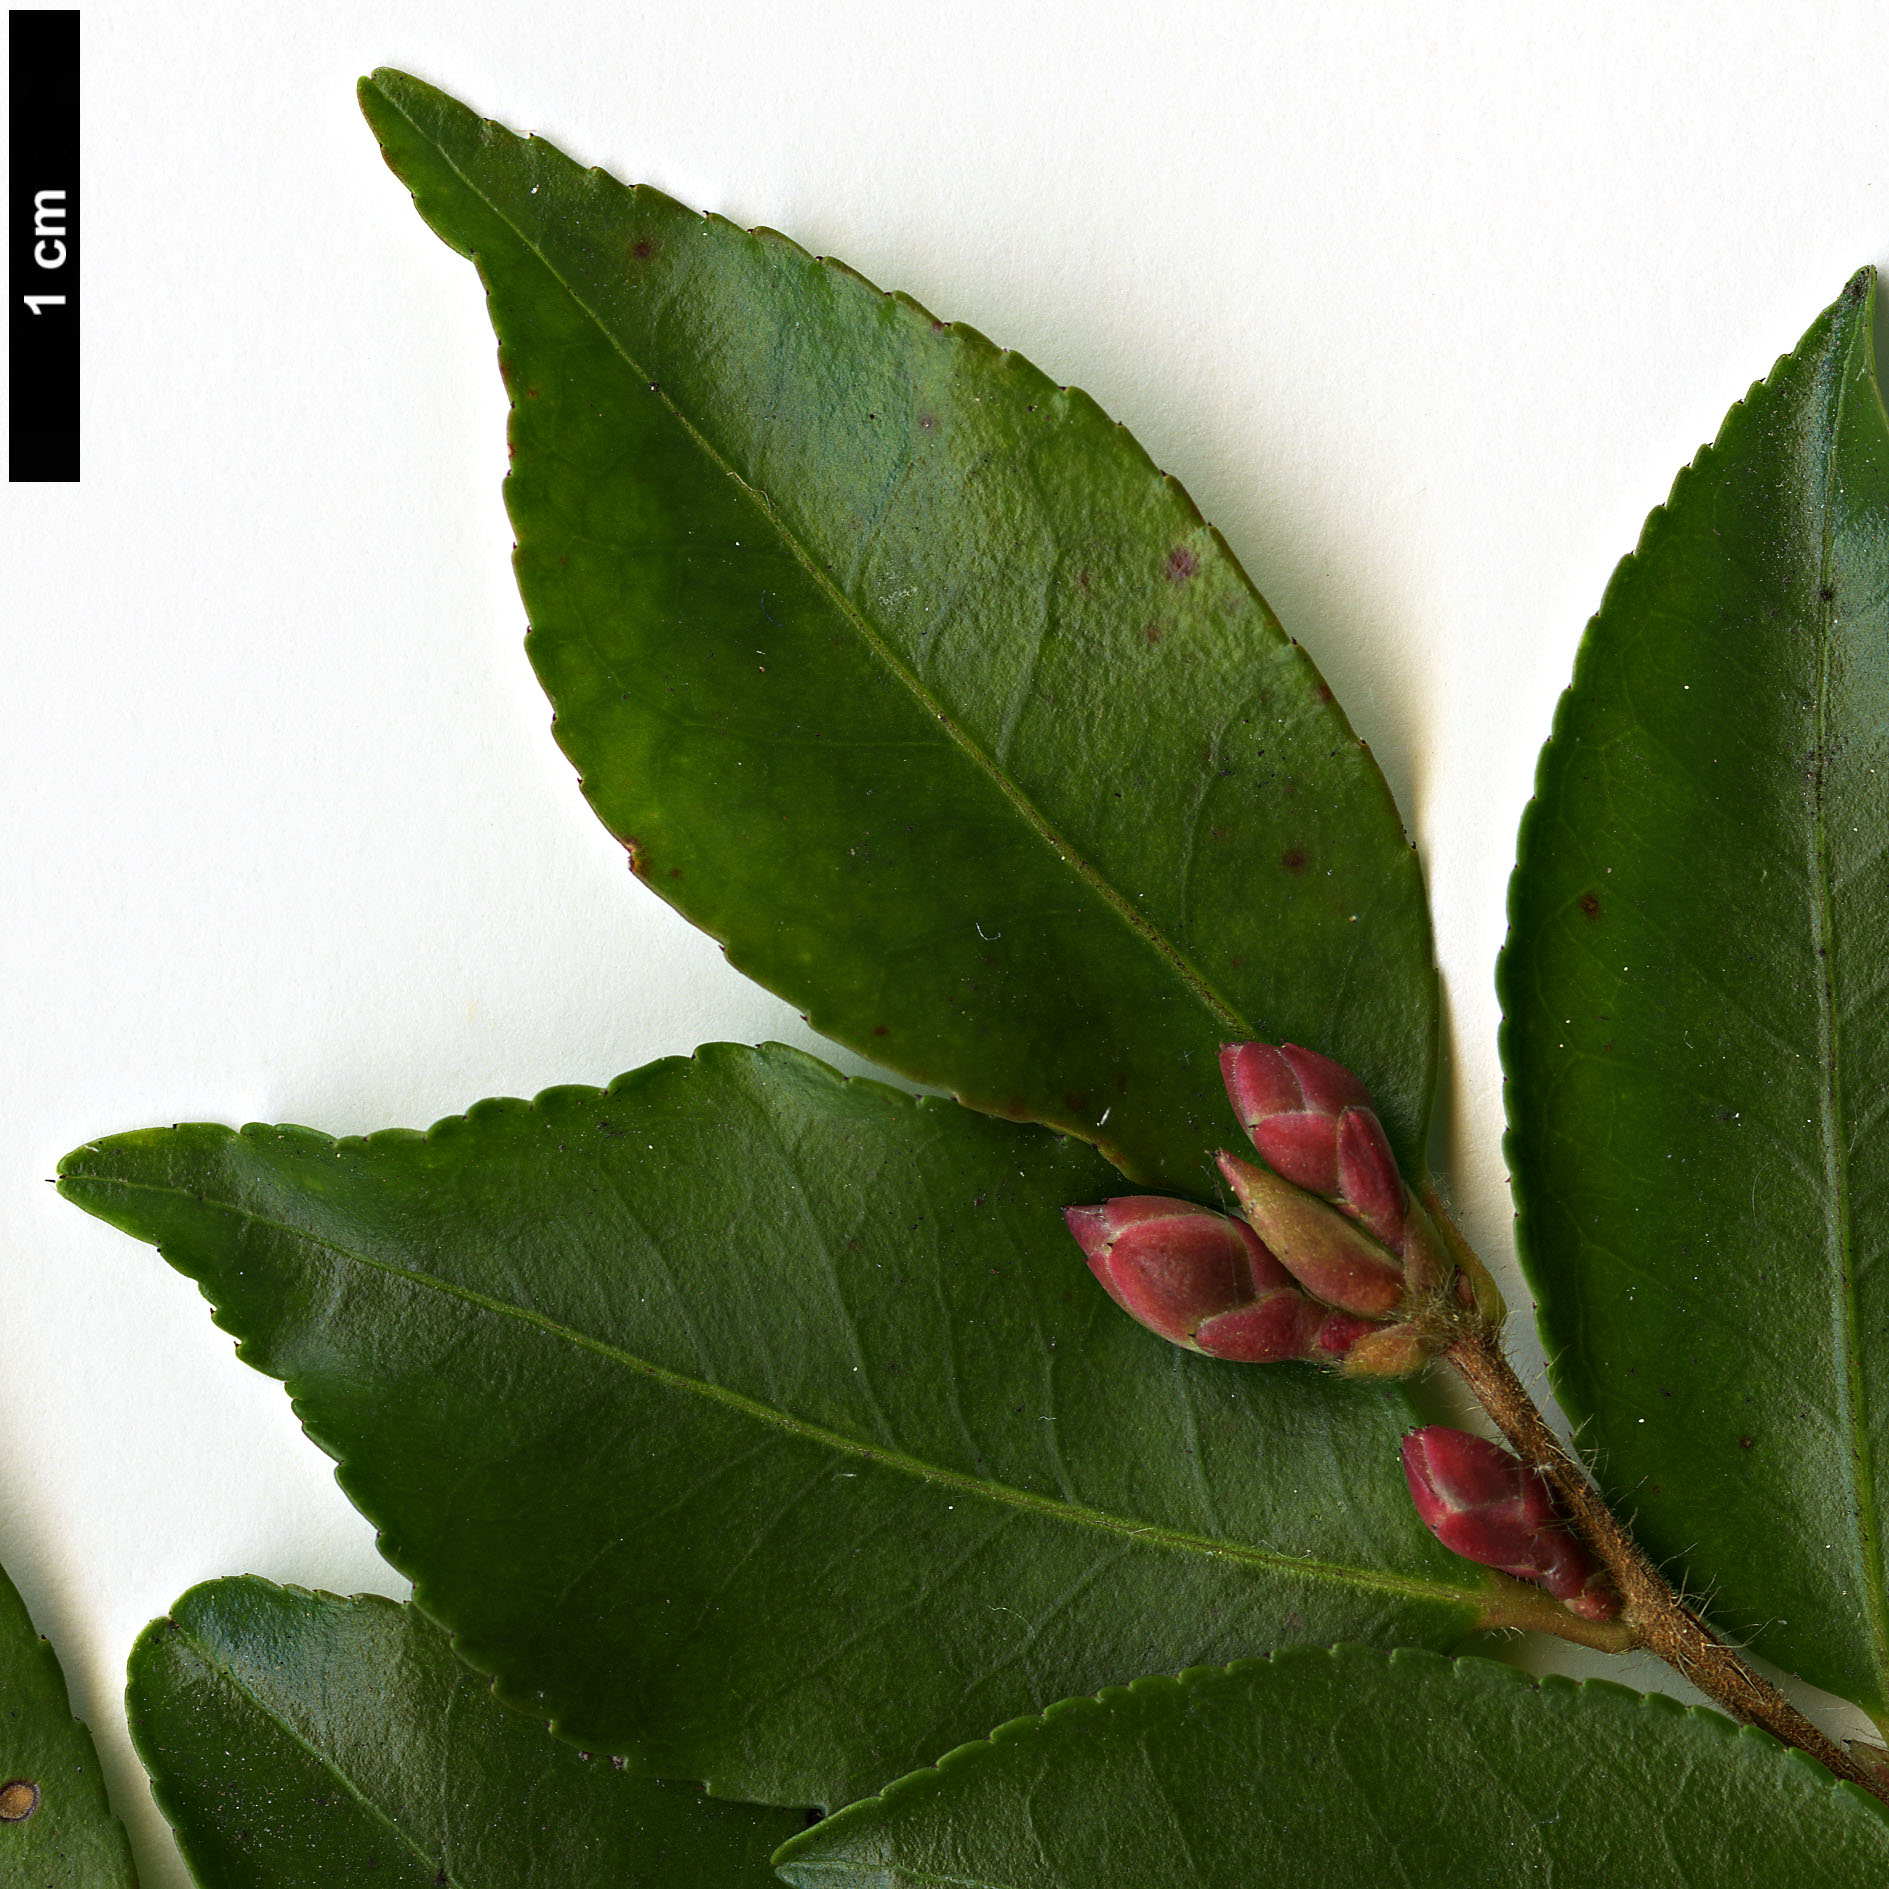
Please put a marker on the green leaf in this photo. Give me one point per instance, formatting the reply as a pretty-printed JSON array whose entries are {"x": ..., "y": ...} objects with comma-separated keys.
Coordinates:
[
  {"x": 901, "y": 671},
  {"x": 297, "y": 1741},
  {"x": 768, "y": 1428},
  {"x": 1353, "y": 1769},
  {"x": 1697, "y": 1035},
  {"x": 56, "y": 1826}
]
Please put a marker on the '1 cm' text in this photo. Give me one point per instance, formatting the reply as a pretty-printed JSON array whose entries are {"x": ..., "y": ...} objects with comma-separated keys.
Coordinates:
[{"x": 49, "y": 247}]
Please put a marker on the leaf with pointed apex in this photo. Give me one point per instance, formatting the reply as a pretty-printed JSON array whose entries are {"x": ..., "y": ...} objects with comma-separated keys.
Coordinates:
[
  {"x": 1351, "y": 1769},
  {"x": 297, "y": 1741},
  {"x": 901, "y": 671},
  {"x": 1697, "y": 1033},
  {"x": 55, "y": 1823},
  {"x": 768, "y": 1428}
]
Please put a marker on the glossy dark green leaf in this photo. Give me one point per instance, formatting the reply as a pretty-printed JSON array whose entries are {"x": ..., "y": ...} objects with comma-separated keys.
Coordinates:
[
  {"x": 298, "y": 1741},
  {"x": 56, "y": 1827},
  {"x": 768, "y": 1428},
  {"x": 1354, "y": 1769},
  {"x": 1696, "y": 988},
  {"x": 901, "y": 670}
]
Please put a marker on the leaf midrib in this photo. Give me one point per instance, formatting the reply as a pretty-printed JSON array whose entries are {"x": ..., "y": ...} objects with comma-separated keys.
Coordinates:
[
  {"x": 1223, "y": 1011},
  {"x": 843, "y": 1869},
  {"x": 1854, "y": 1392},
  {"x": 1080, "y": 1515},
  {"x": 444, "y": 1878}
]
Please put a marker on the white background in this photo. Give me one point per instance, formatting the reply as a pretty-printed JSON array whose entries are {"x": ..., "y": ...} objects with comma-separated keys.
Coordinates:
[{"x": 1426, "y": 306}]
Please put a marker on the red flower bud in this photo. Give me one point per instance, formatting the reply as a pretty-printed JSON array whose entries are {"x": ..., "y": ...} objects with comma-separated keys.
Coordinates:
[
  {"x": 1203, "y": 1280},
  {"x": 1487, "y": 1505},
  {"x": 1312, "y": 1119},
  {"x": 1289, "y": 1100},
  {"x": 1330, "y": 1256}
]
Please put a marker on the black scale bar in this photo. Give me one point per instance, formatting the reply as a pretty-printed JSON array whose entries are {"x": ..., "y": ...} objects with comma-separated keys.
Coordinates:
[{"x": 43, "y": 245}]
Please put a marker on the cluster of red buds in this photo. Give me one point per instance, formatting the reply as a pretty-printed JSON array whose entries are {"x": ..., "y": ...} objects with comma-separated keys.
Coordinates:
[{"x": 1335, "y": 1261}]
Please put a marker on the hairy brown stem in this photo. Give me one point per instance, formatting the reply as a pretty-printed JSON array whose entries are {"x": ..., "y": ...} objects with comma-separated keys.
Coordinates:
[{"x": 1656, "y": 1618}]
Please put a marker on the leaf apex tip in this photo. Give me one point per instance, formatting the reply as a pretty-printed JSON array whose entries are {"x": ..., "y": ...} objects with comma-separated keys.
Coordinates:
[{"x": 370, "y": 89}]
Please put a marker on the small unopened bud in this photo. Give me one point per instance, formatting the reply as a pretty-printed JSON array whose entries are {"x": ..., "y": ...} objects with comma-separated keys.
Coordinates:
[
  {"x": 1389, "y": 1351},
  {"x": 1206, "y": 1281},
  {"x": 1487, "y": 1505},
  {"x": 1313, "y": 1121},
  {"x": 1333, "y": 1258}
]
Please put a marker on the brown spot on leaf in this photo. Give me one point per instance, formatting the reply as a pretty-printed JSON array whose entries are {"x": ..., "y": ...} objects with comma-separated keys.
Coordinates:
[
  {"x": 928, "y": 423},
  {"x": 638, "y": 863},
  {"x": 1744, "y": 1442},
  {"x": 644, "y": 249},
  {"x": 1182, "y": 564},
  {"x": 1152, "y": 631},
  {"x": 19, "y": 1798},
  {"x": 1590, "y": 904},
  {"x": 1293, "y": 859},
  {"x": 1324, "y": 692},
  {"x": 878, "y": 1029}
]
